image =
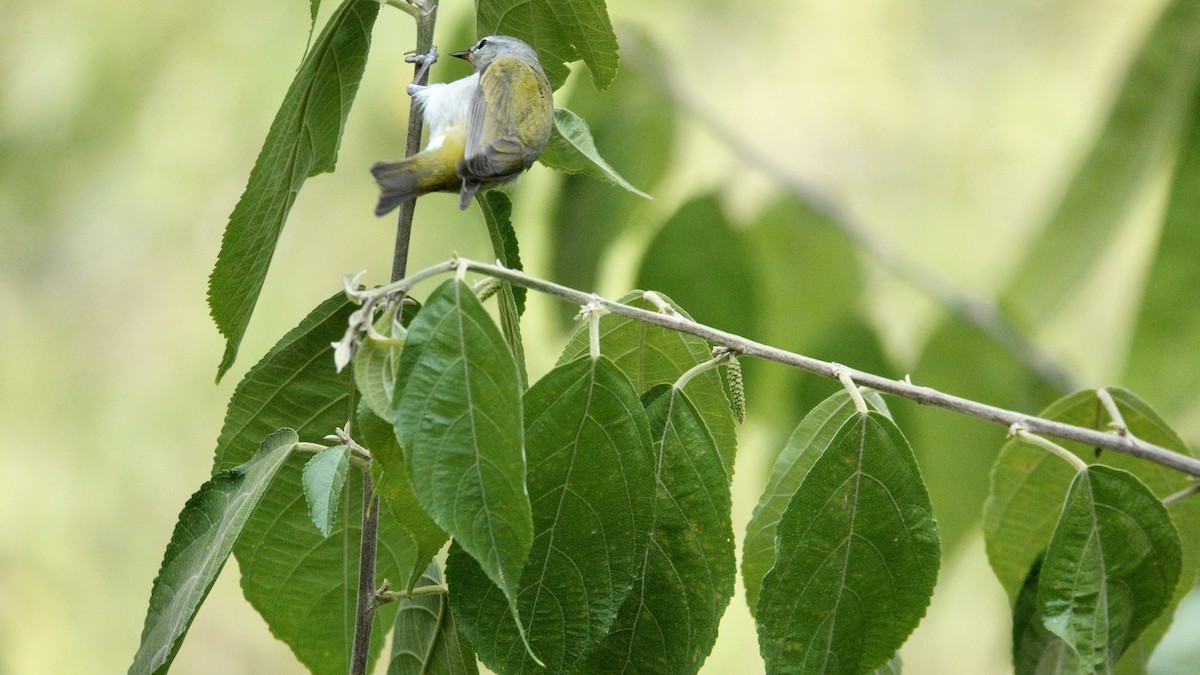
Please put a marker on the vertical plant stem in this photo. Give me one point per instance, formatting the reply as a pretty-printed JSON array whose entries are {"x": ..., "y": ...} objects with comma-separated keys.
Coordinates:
[
  {"x": 426, "y": 17},
  {"x": 425, "y": 22},
  {"x": 366, "y": 578}
]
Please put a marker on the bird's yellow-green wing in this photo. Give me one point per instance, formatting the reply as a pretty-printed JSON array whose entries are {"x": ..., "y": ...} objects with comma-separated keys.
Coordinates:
[{"x": 509, "y": 122}]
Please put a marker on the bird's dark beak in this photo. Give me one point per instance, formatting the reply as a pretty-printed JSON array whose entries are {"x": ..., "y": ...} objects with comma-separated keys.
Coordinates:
[{"x": 462, "y": 55}]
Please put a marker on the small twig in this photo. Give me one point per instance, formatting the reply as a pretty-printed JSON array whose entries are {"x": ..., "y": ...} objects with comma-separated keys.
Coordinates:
[
  {"x": 1183, "y": 494},
  {"x": 1117, "y": 421},
  {"x": 924, "y": 395},
  {"x": 383, "y": 597},
  {"x": 860, "y": 404},
  {"x": 1053, "y": 448}
]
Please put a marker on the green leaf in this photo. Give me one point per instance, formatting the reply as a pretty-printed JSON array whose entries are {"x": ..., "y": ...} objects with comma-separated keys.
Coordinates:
[
  {"x": 806, "y": 444},
  {"x": 858, "y": 556},
  {"x": 304, "y": 584},
  {"x": 591, "y": 482},
  {"x": 1111, "y": 567},
  {"x": 314, "y": 6},
  {"x": 561, "y": 31},
  {"x": 1037, "y": 651},
  {"x": 324, "y": 475},
  {"x": 303, "y": 141},
  {"x": 1141, "y": 133},
  {"x": 588, "y": 214},
  {"x": 389, "y": 474},
  {"x": 426, "y": 639},
  {"x": 497, "y": 213},
  {"x": 1162, "y": 359},
  {"x": 650, "y": 355},
  {"x": 668, "y": 623},
  {"x": 210, "y": 523},
  {"x": 375, "y": 362},
  {"x": 458, "y": 418},
  {"x": 1029, "y": 487},
  {"x": 571, "y": 150},
  {"x": 706, "y": 265}
]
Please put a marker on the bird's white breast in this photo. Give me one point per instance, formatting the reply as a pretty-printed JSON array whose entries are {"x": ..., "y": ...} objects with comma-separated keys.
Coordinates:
[{"x": 446, "y": 106}]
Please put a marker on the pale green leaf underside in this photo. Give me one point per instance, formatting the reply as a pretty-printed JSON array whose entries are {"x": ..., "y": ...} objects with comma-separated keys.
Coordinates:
[
  {"x": 591, "y": 483},
  {"x": 302, "y": 142},
  {"x": 426, "y": 639},
  {"x": 858, "y": 555},
  {"x": 209, "y": 525},
  {"x": 571, "y": 150},
  {"x": 561, "y": 31},
  {"x": 497, "y": 215},
  {"x": 323, "y": 478},
  {"x": 1111, "y": 567},
  {"x": 458, "y": 417},
  {"x": 650, "y": 355},
  {"x": 806, "y": 444}
]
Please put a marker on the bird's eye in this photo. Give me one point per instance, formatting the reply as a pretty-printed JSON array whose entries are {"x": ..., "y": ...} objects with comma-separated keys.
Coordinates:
[{"x": 481, "y": 44}]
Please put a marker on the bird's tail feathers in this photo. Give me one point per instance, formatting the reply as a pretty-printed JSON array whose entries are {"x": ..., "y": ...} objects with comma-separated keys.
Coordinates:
[{"x": 397, "y": 184}]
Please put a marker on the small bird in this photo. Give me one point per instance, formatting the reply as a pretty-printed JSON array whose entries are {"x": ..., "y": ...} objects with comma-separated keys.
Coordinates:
[{"x": 484, "y": 130}]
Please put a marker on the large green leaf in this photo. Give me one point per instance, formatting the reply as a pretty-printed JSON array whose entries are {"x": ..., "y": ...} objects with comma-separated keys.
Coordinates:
[
  {"x": 324, "y": 475},
  {"x": 1139, "y": 136},
  {"x": 706, "y": 265},
  {"x": 591, "y": 482},
  {"x": 571, "y": 150},
  {"x": 1111, "y": 568},
  {"x": 1029, "y": 487},
  {"x": 458, "y": 418},
  {"x": 858, "y": 556},
  {"x": 426, "y": 639},
  {"x": 561, "y": 31},
  {"x": 1162, "y": 359},
  {"x": 650, "y": 355},
  {"x": 303, "y": 141},
  {"x": 806, "y": 444},
  {"x": 668, "y": 623},
  {"x": 304, "y": 584},
  {"x": 210, "y": 523}
]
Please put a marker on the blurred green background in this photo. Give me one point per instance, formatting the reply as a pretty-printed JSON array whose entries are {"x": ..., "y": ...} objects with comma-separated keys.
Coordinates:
[{"x": 127, "y": 130}]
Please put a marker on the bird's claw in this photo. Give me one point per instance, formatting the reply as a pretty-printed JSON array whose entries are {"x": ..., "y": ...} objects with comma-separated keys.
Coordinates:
[{"x": 423, "y": 60}]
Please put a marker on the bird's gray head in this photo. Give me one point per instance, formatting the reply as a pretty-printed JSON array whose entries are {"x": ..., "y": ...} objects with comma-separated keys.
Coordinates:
[{"x": 492, "y": 46}]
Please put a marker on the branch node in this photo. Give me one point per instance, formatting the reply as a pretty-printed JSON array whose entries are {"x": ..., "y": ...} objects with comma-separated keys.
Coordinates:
[
  {"x": 1117, "y": 421},
  {"x": 1053, "y": 448},
  {"x": 659, "y": 303},
  {"x": 591, "y": 312}
]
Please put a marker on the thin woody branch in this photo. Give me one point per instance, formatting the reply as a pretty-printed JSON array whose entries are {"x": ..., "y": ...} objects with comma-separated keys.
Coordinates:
[{"x": 1125, "y": 444}]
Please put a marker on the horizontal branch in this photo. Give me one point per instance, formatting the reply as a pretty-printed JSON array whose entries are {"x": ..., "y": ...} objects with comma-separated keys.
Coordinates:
[{"x": 1125, "y": 444}]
